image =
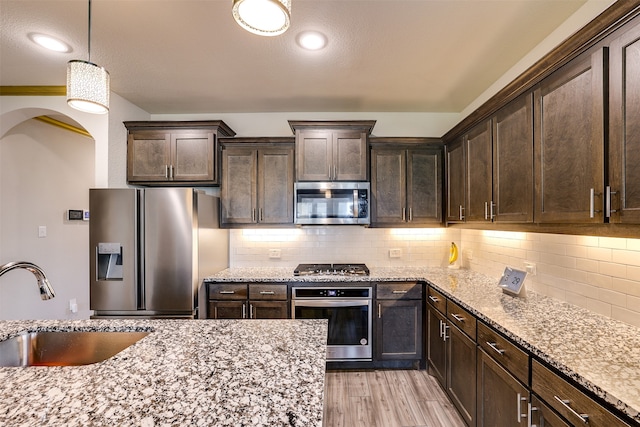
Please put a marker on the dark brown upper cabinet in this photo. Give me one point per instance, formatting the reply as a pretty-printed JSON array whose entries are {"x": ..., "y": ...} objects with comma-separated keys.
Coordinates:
[
  {"x": 332, "y": 150},
  {"x": 569, "y": 142},
  {"x": 174, "y": 153},
  {"x": 479, "y": 187},
  {"x": 406, "y": 182},
  {"x": 622, "y": 196},
  {"x": 456, "y": 185},
  {"x": 513, "y": 161},
  {"x": 257, "y": 181}
]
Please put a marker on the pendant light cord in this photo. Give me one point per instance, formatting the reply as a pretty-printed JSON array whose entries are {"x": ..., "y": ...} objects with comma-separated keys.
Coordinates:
[{"x": 89, "y": 33}]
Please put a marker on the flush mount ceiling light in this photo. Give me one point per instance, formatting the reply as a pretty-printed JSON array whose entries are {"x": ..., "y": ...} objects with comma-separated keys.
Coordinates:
[
  {"x": 87, "y": 83},
  {"x": 312, "y": 40},
  {"x": 263, "y": 17},
  {"x": 49, "y": 42}
]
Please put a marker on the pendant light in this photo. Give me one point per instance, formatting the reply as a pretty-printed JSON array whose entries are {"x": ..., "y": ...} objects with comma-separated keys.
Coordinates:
[
  {"x": 263, "y": 17},
  {"x": 87, "y": 83}
]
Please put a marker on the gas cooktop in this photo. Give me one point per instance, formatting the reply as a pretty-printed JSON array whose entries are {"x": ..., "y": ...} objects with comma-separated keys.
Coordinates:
[{"x": 331, "y": 269}]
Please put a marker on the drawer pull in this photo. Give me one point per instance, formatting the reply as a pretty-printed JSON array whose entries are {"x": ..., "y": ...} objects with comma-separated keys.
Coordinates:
[
  {"x": 267, "y": 293},
  {"x": 519, "y": 408},
  {"x": 434, "y": 299},
  {"x": 399, "y": 292},
  {"x": 494, "y": 346},
  {"x": 457, "y": 317},
  {"x": 566, "y": 403},
  {"x": 227, "y": 292}
]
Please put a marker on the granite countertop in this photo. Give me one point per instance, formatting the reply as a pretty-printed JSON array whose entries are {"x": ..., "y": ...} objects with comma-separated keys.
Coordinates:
[
  {"x": 599, "y": 353},
  {"x": 185, "y": 372}
]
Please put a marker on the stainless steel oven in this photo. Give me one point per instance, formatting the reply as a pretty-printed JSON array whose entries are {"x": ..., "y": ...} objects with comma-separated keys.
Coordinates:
[{"x": 348, "y": 310}]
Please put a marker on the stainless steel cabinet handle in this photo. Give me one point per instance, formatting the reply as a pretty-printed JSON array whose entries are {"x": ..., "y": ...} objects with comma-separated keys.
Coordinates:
[
  {"x": 519, "y": 407},
  {"x": 379, "y": 311},
  {"x": 532, "y": 409},
  {"x": 171, "y": 172},
  {"x": 166, "y": 171},
  {"x": 261, "y": 215},
  {"x": 493, "y": 345},
  {"x": 400, "y": 292},
  {"x": 457, "y": 317},
  {"x": 461, "y": 213},
  {"x": 251, "y": 316},
  {"x": 335, "y": 172},
  {"x": 215, "y": 312},
  {"x": 491, "y": 214},
  {"x": 434, "y": 299},
  {"x": 565, "y": 402},
  {"x": 486, "y": 210},
  {"x": 410, "y": 214},
  {"x": 253, "y": 215},
  {"x": 227, "y": 292},
  {"x": 244, "y": 311},
  {"x": 444, "y": 331},
  {"x": 441, "y": 328},
  {"x": 267, "y": 293},
  {"x": 607, "y": 201},
  {"x": 404, "y": 216}
]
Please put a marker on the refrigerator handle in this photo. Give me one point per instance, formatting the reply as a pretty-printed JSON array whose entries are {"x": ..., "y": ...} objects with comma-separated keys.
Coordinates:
[{"x": 140, "y": 265}]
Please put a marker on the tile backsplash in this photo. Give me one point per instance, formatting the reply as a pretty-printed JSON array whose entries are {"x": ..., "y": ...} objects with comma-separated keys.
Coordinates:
[{"x": 601, "y": 274}]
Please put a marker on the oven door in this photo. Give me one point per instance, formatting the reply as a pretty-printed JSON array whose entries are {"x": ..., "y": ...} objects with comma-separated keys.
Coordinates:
[{"x": 349, "y": 335}]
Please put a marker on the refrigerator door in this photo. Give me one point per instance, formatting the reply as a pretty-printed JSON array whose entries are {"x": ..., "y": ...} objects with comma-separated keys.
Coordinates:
[
  {"x": 170, "y": 248},
  {"x": 113, "y": 249}
]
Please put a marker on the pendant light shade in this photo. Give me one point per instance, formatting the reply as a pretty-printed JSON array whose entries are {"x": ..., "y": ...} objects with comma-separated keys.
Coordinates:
[
  {"x": 263, "y": 17},
  {"x": 88, "y": 87}
]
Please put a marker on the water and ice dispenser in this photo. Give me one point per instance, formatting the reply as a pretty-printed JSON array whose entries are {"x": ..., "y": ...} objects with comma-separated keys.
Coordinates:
[{"x": 109, "y": 261}]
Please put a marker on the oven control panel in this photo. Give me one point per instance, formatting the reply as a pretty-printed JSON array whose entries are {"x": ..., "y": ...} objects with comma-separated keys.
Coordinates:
[{"x": 318, "y": 292}]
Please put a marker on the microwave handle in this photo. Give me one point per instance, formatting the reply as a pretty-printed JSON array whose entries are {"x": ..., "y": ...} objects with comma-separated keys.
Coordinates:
[{"x": 355, "y": 204}]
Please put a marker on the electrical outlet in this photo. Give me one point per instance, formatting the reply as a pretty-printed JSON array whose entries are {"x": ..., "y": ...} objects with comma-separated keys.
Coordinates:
[
  {"x": 469, "y": 254},
  {"x": 530, "y": 268},
  {"x": 395, "y": 253},
  {"x": 73, "y": 305},
  {"x": 42, "y": 231},
  {"x": 275, "y": 253}
]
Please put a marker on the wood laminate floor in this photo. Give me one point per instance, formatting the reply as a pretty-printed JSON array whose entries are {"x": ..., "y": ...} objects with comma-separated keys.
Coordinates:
[{"x": 386, "y": 398}]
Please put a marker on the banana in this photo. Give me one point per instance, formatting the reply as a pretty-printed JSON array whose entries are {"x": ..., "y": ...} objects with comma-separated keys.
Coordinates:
[{"x": 453, "y": 253}]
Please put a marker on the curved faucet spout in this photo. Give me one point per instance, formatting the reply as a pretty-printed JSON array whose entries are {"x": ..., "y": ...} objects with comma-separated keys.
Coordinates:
[{"x": 46, "y": 290}]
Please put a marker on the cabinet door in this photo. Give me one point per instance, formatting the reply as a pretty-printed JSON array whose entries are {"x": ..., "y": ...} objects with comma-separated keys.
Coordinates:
[
  {"x": 437, "y": 348},
  {"x": 461, "y": 386},
  {"x": 193, "y": 156},
  {"x": 268, "y": 310},
  {"x": 148, "y": 156},
  {"x": 275, "y": 186},
  {"x": 314, "y": 155},
  {"x": 502, "y": 400},
  {"x": 424, "y": 186},
  {"x": 349, "y": 156},
  {"x": 569, "y": 143},
  {"x": 399, "y": 329},
  {"x": 227, "y": 310},
  {"x": 513, "y": 161},
  {"x": 479, "y": 160},
  {"x": 543, "y": 416},
  {"x": 455, "y": 183},
  {"x": 624, "y": 127},
  {"x": 388, "y": 186},
  {"x": 239, "y": 187}
]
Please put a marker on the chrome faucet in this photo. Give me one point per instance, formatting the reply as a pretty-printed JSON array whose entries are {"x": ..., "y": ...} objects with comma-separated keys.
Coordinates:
[{"x": 46, "y": 291}]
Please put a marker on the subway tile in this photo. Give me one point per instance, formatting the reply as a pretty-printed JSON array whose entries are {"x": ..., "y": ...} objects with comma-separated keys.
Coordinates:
[
  {"x": 600, "y": 254},
  {"x": 626, "y": 257},
  {"x": 587, "y": 265},
  {"x": 575, "y": 299},
  {"x": 599, "y": 307},
  {"x": 627, "y": 316},
  {"x": 629, "y": 287},
  {"x": 614, "y": 270},
  {"x": 612, "y": 242},
  {"x": 587, "y": 241},
  {"x": 633, "y": 244},
  {"x": 599, "y": 280},
  {"x": 613, "y": 297},
  {"x": 576, "y": 251},
  {"x": 633, "y": 303}
]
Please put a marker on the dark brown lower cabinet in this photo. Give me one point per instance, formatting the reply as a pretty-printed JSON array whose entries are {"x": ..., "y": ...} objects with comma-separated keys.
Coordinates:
[
  {"x": 247, "y": 301},
  {"x": 437, "y": 348},
  {"x": 268, "y": 310},
  {"x": 399, "y": 329},
  {"x": 543, "y": 416},
  {"x": 502, "y": 400},
  {"x": 227, "y": 310},
  {"x": 461, "y": 373}
]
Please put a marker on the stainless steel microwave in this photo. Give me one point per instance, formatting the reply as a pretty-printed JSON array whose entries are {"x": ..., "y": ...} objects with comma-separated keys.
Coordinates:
[{"x": 326, "y": 203}]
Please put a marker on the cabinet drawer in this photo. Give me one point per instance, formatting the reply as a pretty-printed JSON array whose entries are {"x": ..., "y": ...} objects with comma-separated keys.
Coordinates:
[
  {"x": 437, "y": 300},
  {"x": 504, "y": 352},
  {"x": 462, "y": 319},
  {"x": 227, "y": 291},
  {"x": 399, "y": 290},
  {"x": 570, "y": 402},
  {"x": 268, "y": 292}
]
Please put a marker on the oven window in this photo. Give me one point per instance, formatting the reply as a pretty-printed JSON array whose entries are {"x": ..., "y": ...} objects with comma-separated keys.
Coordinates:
[
  {"x": 325, "y": 203},
  {"x": 347, "y": 325}
]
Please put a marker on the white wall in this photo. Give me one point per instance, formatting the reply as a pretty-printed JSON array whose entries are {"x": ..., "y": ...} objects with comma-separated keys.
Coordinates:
[{"x": 44, "y": 170}]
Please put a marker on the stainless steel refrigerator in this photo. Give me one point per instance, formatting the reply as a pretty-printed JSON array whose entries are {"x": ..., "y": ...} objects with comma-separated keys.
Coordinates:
[{"x": 150, "y": 250}]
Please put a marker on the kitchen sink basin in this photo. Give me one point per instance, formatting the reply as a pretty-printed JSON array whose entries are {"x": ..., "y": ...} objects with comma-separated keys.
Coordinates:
[{"x": 64, "y": 348}]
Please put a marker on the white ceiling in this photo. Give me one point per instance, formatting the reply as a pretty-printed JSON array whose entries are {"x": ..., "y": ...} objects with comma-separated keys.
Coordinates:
[{"x": 189, "y": 56}]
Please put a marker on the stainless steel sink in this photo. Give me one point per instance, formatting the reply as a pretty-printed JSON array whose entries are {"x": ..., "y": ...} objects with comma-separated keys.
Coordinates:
[{"x": 64, "y": 348}]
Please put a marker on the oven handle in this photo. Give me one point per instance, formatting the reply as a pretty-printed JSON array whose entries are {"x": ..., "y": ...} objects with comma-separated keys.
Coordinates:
[{"x": 331, "y": 303}]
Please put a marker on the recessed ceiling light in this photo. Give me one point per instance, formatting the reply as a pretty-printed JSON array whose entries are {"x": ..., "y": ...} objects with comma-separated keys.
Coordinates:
[
  {"x": 49, "y": 42},
  {"x": 312, "y": 40}
]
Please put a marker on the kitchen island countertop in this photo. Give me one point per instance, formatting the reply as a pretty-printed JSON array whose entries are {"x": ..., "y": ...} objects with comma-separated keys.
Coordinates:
[
  {"x": 600, "y": 353},
  {"x": 185, "y": 372}
]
